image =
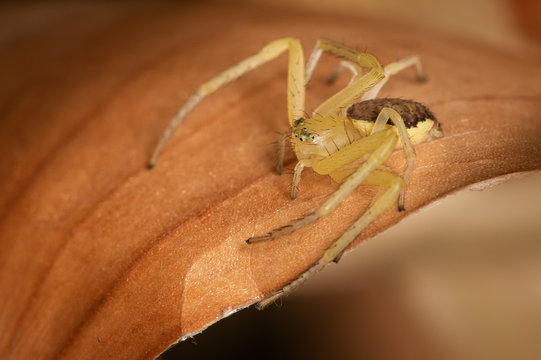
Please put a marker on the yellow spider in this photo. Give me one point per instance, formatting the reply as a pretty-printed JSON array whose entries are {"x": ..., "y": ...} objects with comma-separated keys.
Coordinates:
[{"x": 345, "y": 139}]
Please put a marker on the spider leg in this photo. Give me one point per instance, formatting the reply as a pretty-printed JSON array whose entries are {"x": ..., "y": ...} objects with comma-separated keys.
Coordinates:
[
  {"x": 384, "y": 115},
  {"x": 382, "y": 148},
  {"x": 312, "y": 62},
  {"x": 394, "y": 68},
  {"x": 358, "y": 86},
  {"x": 334, "y": 252},
  {"x": 296, "y": 180},
  {"x": 281, "y": 152},
  {"x": 345, "y": 65},
  {"x": 295, "y": 85}
]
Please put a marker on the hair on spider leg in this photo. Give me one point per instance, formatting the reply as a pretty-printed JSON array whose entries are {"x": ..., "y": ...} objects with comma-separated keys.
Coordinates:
[
  {"x": 364, "y": 48},
  {"x": 317, "y": 117},
  {"x": 278, "y": 302},
  {"x": 275, "y": 142},
  {"x": 271, "y": 235},
  {"x": 337, "y": 148},
  {"x": 288, "y": 170}
]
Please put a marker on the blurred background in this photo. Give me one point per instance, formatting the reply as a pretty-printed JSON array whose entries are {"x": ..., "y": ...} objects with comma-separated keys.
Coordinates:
[{"x": 460, "y": 279}]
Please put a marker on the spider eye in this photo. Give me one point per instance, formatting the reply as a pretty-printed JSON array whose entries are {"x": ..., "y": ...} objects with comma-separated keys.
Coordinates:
[{"x": 299, "y": 121}]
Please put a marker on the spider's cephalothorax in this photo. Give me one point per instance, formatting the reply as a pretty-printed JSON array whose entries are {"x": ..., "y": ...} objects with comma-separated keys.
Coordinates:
[
  {"x": 315, "y": 138},
  {"x": 310, "y": 140},
  {"x": 345, "y": 138}
]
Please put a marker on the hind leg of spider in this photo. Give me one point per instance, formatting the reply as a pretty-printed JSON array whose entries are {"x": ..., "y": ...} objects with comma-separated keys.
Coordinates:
[
  {"x": 380, "y": 123},
  {"x": 389, "y": 70},
  {"x": 394, "y": 184},
  {"x": 344, "y": 65},
  {"x": 382, "y": 145},
  {"x": 272, "y": 50},
  {"x": 395, "y": 68}
]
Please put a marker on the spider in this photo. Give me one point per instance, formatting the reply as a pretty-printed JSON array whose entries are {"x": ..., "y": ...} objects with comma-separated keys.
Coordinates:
[{"x": 344, "y": 138}]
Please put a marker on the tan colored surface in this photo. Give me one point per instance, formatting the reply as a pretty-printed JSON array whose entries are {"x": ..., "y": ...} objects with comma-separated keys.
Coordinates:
[{"x": 96, "y": 252}]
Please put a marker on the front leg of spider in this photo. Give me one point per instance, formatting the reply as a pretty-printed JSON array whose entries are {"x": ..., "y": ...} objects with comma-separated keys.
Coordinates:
[{"x": 295, "y": 84}]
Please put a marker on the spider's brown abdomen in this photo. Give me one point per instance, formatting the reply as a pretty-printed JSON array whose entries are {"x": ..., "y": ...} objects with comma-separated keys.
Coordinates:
[{"x": 411, "y": 111}]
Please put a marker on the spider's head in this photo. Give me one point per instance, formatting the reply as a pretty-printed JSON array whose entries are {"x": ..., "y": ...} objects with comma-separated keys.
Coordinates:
[
  {"x": 309, "y": 138},
  {"x": 301, "y": 132}
]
